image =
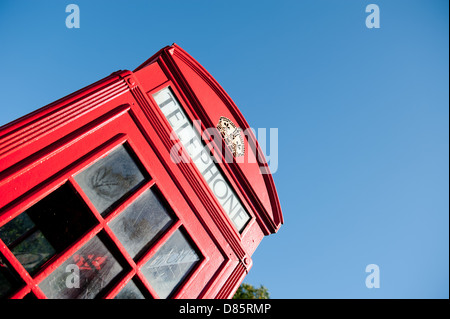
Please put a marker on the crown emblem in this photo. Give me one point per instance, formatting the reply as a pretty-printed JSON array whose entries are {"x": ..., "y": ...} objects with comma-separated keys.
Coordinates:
[{"x": 232, "y": 136}]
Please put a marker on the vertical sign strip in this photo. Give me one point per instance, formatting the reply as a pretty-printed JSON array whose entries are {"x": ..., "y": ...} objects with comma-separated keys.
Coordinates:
[{"x": 201, "y": 157}]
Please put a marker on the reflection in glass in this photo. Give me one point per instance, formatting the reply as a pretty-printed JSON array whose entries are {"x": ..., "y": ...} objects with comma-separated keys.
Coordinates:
[
  {"x": 48, "y": 227},
  {"x": 33, "y": 251},
  {"x": 130, "y": 291},
  {"x": 84, "y": 274},
  {"x": 26, "y": 242},
  {"x": 110, "y": 178},
  {"x": 11, "y": 231},
  {"x": 142, "y": 222},
  {"x": 170, "y": 265}
]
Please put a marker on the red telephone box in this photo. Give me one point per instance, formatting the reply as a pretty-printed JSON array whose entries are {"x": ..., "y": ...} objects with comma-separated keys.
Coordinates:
[{"x": 145, "y": 184}]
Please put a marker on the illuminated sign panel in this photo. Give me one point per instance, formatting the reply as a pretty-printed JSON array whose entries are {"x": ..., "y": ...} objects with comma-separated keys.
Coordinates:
[{"x": 201, "y": 157}]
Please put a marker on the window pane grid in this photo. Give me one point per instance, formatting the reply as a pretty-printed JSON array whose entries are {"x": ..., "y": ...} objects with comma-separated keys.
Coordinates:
[
  {"x": 12, "y": 260},
  {"x": 120, "y": 284},
  {"x": 142, "y": 222},
  {"x": 98, "y": 267},
  {"x": 59, "y": 259},
  {"x": 134, "y": 265},
  {"x": 103, "y": 224},
  {"x": 131, "y": 271},
  {"x": 33, "y": 279}
]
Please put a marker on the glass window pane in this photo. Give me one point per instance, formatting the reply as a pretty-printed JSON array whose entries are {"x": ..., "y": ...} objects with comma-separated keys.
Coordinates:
[
  {"x": 34, "y": 251},
  {"x": 13, "y": 230},
  {"x": 48, "y": 227},
  {"x": 8, "y": 281},
  {"x": 142, "y": 221},
  {"x": 5, "y": 285},
  {"x": 130, "y": 291},
  {"x": 110, "y": 178},
  {"x": 84, "y": 274},
  {"x": 170, "y": 265}
]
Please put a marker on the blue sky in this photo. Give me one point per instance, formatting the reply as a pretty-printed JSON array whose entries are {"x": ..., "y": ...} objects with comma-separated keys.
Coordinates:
[{"x": 362, "y": 117}]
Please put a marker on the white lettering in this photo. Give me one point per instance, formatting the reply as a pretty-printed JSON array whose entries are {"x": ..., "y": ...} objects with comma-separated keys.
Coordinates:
[
  {"x": 272, "y": 158},
  {"x": 201, "y": 156},
  {"x": 73, "y": 280},
  {"x": 373, "y": 279},
  {"x": 73, "y": 19},
  {"x": 373, "y": 19},
  {"x": 196, "y": 309}
]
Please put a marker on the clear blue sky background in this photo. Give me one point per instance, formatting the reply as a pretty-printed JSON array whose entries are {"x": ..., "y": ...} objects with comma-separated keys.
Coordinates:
[{"x": 363, "y": 119}]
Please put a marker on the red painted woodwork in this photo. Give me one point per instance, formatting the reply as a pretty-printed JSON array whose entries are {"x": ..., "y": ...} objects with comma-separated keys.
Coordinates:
[{"x": 49, "y": 147}]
